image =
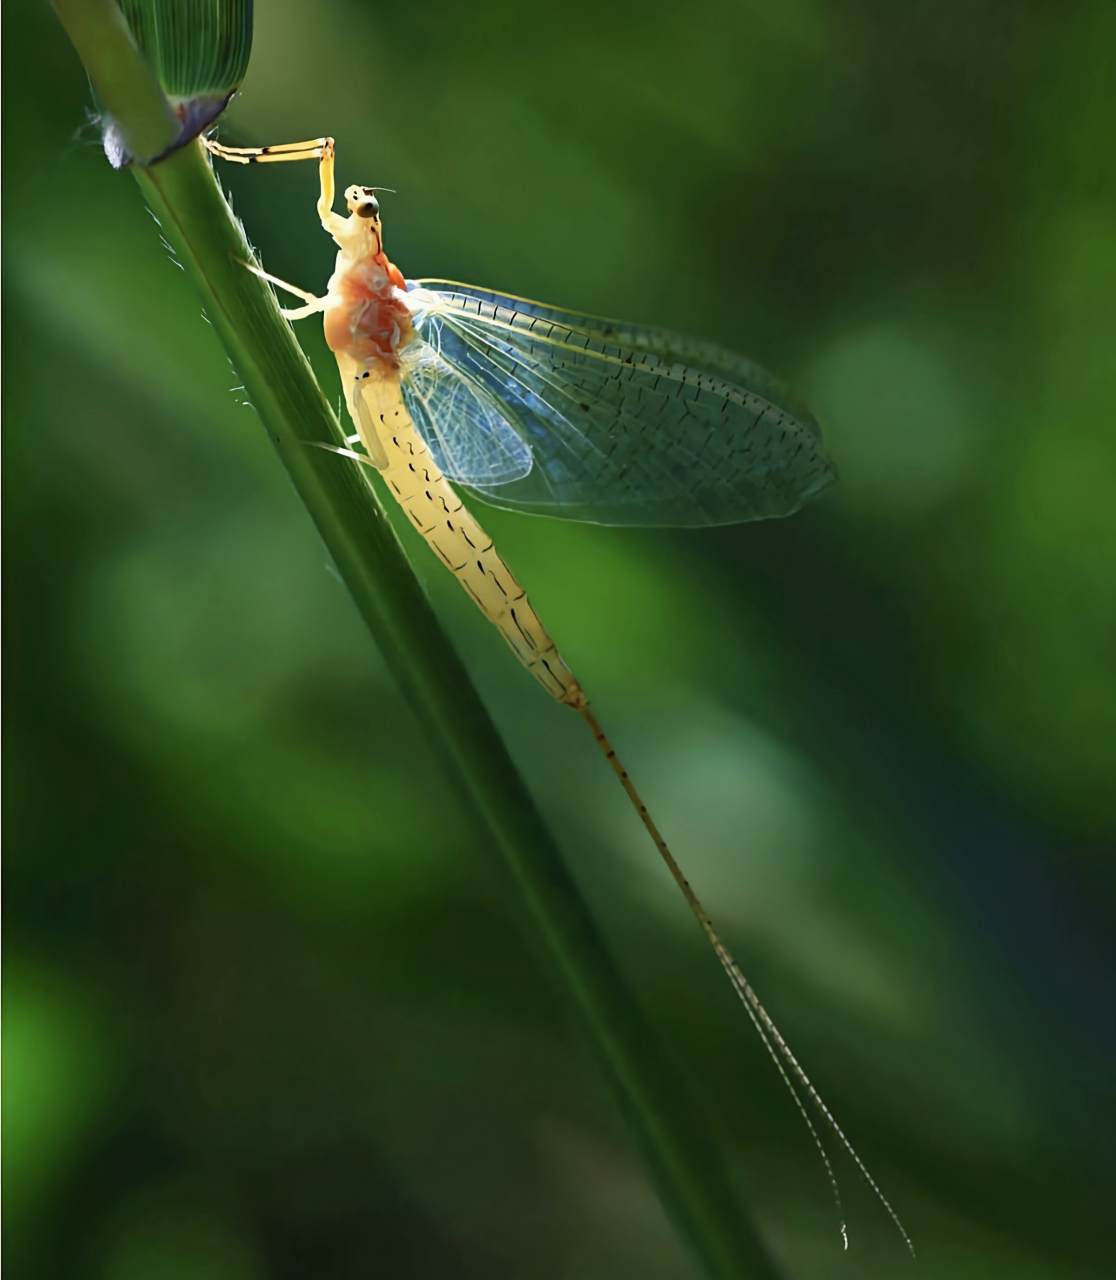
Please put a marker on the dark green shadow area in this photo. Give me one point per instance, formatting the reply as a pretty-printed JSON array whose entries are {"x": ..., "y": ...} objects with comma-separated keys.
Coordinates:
[{"x": 269, "y": 1013}]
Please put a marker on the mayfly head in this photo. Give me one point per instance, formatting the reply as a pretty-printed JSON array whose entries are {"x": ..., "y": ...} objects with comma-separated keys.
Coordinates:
[
  {"x": 364, "y": 232},
  {"x": 362, "y": 201}
]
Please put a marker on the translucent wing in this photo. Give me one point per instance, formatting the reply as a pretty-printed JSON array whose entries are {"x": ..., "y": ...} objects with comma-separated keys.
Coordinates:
[
  {"x": 674, "y": 348},
  {"x": 625, "y": 425},
  {"x": 461, "y": 422}
]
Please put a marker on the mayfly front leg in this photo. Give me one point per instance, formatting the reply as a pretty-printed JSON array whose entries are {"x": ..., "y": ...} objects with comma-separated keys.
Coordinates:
[
  {"x": 312, "y": 150},
  {"x": 332, "y": 222},
  {"x": 320, "y": 149}
]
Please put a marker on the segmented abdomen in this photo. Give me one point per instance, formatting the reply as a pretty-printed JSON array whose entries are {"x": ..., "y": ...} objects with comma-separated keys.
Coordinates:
[{"x": 459, "y": 542}]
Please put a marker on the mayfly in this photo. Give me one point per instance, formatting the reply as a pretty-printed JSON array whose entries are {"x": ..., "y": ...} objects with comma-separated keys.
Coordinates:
[{"x": 542, "y": 410}]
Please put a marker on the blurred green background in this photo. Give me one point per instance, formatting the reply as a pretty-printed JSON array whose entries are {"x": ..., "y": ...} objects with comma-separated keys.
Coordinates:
[{"x": 270, "y": 1013}]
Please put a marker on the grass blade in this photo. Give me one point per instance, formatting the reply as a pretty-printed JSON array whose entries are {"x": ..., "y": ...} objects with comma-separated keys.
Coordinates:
[{"x": 183, "y": 193}]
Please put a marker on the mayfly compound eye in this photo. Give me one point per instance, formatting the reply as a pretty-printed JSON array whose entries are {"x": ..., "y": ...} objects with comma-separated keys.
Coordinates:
[{"x": 369, "y": 208}]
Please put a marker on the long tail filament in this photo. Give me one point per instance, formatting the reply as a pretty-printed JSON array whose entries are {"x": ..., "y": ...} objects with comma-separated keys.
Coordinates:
[{"x": 787, "y": 1064}]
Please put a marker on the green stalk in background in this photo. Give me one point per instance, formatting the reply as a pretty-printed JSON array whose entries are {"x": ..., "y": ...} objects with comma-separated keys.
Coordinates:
[{"x": 184, "y": 195}]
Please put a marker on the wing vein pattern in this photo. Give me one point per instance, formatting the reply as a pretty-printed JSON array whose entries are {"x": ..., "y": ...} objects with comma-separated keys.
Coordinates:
[{"x": 551, "y": 412}]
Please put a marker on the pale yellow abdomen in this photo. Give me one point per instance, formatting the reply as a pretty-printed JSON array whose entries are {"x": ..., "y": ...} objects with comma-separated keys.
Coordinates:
[{"x": 456, "y": 538}]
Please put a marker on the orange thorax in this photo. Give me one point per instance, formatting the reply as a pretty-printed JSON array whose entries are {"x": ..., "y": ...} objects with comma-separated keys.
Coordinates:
[{"x": 369, "y": 323}]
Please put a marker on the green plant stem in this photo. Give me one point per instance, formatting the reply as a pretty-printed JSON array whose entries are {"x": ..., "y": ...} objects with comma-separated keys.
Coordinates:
[
  {"x": 121, "y": 75},
  {"x": 686, "y": 1164}
]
